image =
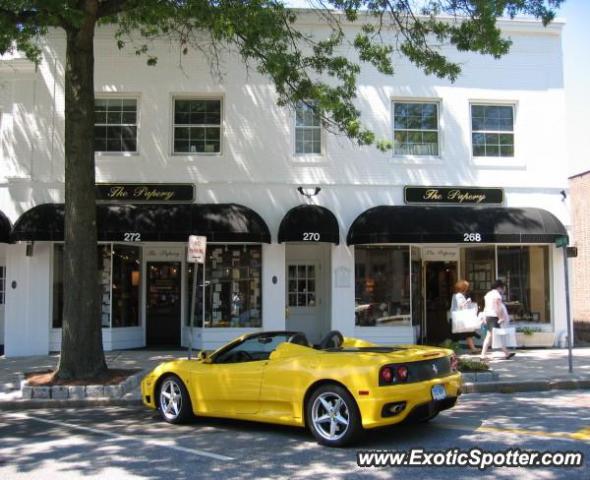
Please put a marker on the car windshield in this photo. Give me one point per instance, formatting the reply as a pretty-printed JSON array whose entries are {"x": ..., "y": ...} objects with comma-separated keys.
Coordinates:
[{"x": 254, "y": 348}]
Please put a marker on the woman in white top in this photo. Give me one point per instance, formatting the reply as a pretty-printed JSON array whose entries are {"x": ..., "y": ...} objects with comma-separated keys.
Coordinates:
[
  {"x": 496, "y": 314},
  {"x": 459, "y": 302}
]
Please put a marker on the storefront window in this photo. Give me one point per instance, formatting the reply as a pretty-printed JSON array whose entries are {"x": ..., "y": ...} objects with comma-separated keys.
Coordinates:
[
  {"x": 126, "y": 285},
  {"x": 479, "y": 269},
  {"x": 233, "y": 290},
  {"x": 525, "y": 270},
  {"x": 382, "y": 286},
  {"x": 104, "y": 280}
]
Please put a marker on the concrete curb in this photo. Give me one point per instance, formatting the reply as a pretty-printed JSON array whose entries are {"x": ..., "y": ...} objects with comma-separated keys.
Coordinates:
[
  {"x": 527, "y": 385},
  {"x": 50, "y": 403},
  {"x": 477, "y": 377}
]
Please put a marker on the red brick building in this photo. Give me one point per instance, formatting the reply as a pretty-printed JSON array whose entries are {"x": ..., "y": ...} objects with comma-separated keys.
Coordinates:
[{"x": 580, "y": 208}]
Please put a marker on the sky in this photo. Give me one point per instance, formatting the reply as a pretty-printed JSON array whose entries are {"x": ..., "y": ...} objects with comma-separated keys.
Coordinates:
[{"x": 576, "y": 58}]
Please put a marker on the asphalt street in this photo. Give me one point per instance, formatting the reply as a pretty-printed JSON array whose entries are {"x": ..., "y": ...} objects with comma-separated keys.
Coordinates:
[{"x": 133, "y": 442}]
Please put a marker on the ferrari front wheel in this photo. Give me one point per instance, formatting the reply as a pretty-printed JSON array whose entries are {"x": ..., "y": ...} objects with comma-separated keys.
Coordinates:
[
  {"x": 174, "y": 402},
  {"x": 333, "y": 416}
]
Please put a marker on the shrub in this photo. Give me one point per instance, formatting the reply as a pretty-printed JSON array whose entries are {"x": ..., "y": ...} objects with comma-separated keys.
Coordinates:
[{"x": 468, "y": 365}]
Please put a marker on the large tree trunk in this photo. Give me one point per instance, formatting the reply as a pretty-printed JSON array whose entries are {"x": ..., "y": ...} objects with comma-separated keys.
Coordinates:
[{"x": 82, "y": 354}]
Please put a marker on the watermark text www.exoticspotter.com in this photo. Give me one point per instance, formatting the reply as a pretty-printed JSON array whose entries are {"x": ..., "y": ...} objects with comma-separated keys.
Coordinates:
[{"x": 475, "y": 457}]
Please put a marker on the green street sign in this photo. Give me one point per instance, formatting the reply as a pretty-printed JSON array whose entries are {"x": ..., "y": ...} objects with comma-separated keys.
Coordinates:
[{"x": 561, "y": 242}]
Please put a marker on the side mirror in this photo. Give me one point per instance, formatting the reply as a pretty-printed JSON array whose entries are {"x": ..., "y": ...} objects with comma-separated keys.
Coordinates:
[{"x": 203, "y": 357}]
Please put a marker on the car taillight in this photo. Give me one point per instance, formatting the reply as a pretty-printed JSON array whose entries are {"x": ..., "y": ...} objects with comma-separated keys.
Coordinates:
[
  {"x": 402, "y": 373},
  {"x": 454, "y": 363},
  {"x": 386, "y": 375}
]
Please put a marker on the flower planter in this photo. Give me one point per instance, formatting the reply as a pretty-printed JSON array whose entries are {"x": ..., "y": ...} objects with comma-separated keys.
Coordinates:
[{"x": 537, "y": 339}]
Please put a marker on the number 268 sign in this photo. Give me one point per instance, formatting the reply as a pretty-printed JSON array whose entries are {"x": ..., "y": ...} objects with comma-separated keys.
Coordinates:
[{"x": 472, "y": 237}]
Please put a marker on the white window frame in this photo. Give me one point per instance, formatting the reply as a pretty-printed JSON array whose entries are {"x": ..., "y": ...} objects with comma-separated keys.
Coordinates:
[
  {"x": 122, "y": 96},
  {"x": 422, "y": 101},
  {"x": 510, "y": 162},
  {"x": 311, "y": 155},
  {"x": 307, "y": 278},
  {"x": 184, "y": 96},
  {"x": 416, "y": 159}
]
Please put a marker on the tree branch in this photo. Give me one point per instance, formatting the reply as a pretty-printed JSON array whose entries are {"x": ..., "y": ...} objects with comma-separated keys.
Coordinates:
[
  {"x": 107, "y": 8},
  {"x": 19, "y": 17}
]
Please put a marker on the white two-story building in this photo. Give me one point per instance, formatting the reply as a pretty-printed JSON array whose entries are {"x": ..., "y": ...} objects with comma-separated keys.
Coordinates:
[{"x": 306, "y": 230}]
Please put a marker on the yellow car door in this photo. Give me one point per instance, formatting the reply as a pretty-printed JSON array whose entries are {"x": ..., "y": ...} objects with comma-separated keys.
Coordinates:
[
  {"x": 228, "y": 388},
  {"x": 230, "y": 382}
]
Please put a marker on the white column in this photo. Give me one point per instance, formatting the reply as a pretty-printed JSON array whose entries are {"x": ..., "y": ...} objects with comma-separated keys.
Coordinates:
[
  {"x": 28, "y": 305},
  {"x": 273, "y": 286},
  {"x": 2, "y": 263},
  {"x": 343, "y": 289}
]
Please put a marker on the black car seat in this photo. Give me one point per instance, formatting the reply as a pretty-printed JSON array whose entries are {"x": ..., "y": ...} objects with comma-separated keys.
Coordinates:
[
  {"x": 298, "y": 338},
  {"x": 332, "y": 339}
]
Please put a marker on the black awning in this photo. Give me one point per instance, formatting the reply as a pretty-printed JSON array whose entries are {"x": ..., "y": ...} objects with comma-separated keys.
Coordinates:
[
  {"x": 44, "y": 223},
  {"x": 149, "y": 223},
  {"x": 5, "y": 228},
  {"x": 228, "y": 222},
  {"x": 145, "y": 223},
  {"x": 413, "y": 224},
  {"x": 309, "y": 223}
]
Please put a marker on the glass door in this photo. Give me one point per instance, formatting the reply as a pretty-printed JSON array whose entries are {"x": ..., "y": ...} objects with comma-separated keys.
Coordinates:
[
  {"x": 440, "y": 278},
  {"x": 163, "y": 304},
  {"x": 303, "y": 304}
]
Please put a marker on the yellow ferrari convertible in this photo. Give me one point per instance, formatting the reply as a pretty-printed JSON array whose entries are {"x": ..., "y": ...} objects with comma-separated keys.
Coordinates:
[{"x": 336, "y": 388}]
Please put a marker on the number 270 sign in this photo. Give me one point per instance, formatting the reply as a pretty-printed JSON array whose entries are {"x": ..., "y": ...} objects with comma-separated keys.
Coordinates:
[{"x": 197, "y": 247}]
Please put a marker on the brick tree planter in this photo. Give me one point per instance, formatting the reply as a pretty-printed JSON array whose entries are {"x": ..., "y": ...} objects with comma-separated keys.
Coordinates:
[{"x": 80, "y": 392}]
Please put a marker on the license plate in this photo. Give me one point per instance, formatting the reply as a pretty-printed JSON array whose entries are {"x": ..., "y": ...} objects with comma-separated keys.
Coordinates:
[{"x": 439, "y": 392}]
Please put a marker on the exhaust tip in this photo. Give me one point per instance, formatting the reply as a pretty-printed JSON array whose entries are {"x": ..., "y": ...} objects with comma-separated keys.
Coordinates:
[{"x": 393, "y": 409}]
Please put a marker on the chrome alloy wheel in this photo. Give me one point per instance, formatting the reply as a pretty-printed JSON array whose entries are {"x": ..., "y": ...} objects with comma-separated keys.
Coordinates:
[
  {"x": 170, "y": 399},
  {"x": 330, "y": 416}
]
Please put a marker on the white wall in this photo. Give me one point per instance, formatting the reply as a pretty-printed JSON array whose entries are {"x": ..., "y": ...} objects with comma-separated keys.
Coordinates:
[
  {"x": 258, "y": 134},
  {"x": 257, "y": 166},
  {"x": 343, "y": 288},
  {"x": 2, "y": 263},
  {"x": 28, "y": 303}
]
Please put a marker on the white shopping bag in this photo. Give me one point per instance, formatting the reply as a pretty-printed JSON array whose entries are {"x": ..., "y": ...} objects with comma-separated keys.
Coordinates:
[
  {"x": 465, "y": 320},
  {"x": 504, "y": 337}
]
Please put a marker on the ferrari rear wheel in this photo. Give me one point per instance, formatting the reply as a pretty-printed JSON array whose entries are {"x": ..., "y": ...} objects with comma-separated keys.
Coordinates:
[
  {"x": 333, "y": 416},
  {"x": 174, "y": 402}
]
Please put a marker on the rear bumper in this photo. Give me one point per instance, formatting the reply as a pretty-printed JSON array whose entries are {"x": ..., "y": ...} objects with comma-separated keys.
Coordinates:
[
  {"x": 427, "y": 410},
  {"x": 416, "y": 397}
]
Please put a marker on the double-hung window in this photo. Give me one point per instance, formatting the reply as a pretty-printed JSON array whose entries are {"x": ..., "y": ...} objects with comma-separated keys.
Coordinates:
[
  {"x": 492, "y": 130},
  {"x": 197, "y": 126},
  {"x": 115, "y": 125},
  {"x": 308, "y": 129},
  {"x": 415, "y": 128}
]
